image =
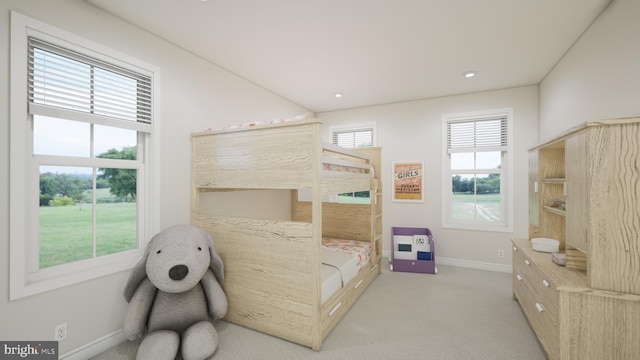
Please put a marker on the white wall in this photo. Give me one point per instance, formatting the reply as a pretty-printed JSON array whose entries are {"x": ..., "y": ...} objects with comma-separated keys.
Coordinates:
[
  {"x": 194, "y": 94},
  {"x": 413, "y": 131},
  {"x": 599, "y": 78}
]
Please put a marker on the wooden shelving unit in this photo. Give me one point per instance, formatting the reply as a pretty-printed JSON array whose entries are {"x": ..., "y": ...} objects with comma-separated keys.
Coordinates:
[{"x": 591, "y": 308}]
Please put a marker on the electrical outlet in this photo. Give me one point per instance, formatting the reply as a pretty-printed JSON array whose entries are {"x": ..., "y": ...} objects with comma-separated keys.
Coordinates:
[
  {"x": 60, "y": 332},
  {"x": 500, "y": 253}
]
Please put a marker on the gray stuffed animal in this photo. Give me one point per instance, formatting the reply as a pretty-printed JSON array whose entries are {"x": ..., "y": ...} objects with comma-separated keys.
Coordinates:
[{"x": 173, "y": 293}]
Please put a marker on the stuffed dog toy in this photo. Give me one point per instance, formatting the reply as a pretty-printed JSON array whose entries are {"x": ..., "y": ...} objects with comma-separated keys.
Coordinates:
[{"x": 174, "y": 292}]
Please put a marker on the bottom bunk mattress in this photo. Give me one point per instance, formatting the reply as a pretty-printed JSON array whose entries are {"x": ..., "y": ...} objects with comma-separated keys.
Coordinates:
[{"x": 341, "y": 261}]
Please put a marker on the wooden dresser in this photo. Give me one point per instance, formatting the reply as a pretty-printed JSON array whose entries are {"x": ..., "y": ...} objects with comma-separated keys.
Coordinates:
[{"x": 584, "y": 191}]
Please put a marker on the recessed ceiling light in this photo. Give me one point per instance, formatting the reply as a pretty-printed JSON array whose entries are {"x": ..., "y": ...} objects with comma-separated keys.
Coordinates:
[
  {"x": 338, "y": 95},
  {"x": 470, "y": 74}
]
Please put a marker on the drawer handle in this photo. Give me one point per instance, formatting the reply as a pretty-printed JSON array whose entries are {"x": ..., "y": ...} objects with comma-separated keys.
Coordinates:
[
  {"x": 527, "y": 262},
  {"x": 545, "y": 283},
  {"x": 335, "y": 308},
  {"x": 374, "y": 267},
  {"x": 515, "y": 248},
  {"x": 519, "y": 277},
  {"x": 358, "y": 284},
  {"x": 539, "y": 307}
]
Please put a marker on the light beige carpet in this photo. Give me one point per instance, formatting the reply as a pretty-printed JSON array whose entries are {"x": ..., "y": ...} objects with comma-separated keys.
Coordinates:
[{"x": 457, "y": 314}]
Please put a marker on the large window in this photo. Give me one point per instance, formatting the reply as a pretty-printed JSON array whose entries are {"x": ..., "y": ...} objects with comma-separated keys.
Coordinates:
[
  {"x": 83, "y": 137},
  {"x": 476, "y": 170}
]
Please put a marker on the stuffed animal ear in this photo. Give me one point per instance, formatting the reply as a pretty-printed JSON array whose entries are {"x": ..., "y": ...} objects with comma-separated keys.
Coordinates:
[
  {"x": 215, "y": 264},
  {"x": 138, "y": 273}
]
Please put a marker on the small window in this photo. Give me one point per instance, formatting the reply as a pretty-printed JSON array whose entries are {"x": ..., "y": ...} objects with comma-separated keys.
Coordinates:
[
  {"x": 354, "y": 137},
  {"x": 476, "y": 167}
]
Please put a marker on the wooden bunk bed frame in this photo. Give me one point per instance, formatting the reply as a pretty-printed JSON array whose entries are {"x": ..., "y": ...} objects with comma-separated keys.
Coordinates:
[{"x": 273, "y": 267}]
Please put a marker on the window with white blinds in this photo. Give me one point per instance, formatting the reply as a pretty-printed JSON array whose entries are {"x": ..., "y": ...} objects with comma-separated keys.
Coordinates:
[
  {"x": 476, "y": 170},
  {"x": 477, "y": 135},
  {"x": 85, "y": 88},
  {"x": 353, "y": 138},
  {"x": 83, "y": 158}
]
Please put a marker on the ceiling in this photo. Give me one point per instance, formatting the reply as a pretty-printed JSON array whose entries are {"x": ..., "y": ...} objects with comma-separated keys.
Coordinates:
[{"x": 372, "y": 51}]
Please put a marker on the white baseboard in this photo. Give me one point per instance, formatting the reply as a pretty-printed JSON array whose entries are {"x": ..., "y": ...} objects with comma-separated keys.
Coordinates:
[
  {"x": 474, "y": 265},
  {"x": 95, "y": 347},
  {"x": 386, "y": 255}
]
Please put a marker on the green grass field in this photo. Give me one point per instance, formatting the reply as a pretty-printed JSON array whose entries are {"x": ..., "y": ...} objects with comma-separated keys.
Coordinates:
[
  {"x": 487, "y": 209},
  {"x": 66, "y": 231},
  {"x": 353, "y": 200}
]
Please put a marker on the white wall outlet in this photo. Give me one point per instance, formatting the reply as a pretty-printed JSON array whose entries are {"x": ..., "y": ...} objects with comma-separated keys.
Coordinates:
[
  {"x": 60, "y": 332},
  {"x": 500, "y": 253}
]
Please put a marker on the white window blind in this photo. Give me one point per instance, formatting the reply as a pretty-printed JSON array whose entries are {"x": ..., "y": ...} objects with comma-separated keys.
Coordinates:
[
  {"x": 477, "y": 135},
  {"x": 85, "y": 88},
  {"x": 353, "y": 138}
]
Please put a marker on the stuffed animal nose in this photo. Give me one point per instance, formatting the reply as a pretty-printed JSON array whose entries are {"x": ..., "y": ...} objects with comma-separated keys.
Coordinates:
[{"x": 178, "y": 272}]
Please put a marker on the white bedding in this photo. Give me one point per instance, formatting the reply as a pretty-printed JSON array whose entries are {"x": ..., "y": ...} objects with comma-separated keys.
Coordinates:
[
  {"x": 338, "y": 268},
  {"x": 331, "y": 281}
]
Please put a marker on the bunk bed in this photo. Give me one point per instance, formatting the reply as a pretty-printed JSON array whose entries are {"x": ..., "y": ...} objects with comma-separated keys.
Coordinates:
[{"x": 277, "y": 272}]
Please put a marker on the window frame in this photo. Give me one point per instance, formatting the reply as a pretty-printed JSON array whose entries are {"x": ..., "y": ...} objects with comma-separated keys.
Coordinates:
[
  {"x": 355, "y": 128},
  {"x": 25, "y": 280},
  {"x": 506, "y": 186}
]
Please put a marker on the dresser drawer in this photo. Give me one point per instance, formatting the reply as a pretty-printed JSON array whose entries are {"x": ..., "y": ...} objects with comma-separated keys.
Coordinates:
[
  {"x": 543, "y": 290},
  {"x": 519, "y": 288},
  {"x": 538, "y": 298},
  {"x": 545, "y": 327}
]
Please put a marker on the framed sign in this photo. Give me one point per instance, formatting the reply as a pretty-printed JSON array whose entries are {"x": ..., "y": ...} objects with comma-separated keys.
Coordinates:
[{"x": 408, "y": 181}]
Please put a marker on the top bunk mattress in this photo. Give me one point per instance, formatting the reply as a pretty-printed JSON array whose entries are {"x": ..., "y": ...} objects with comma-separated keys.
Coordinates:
[{"x": 328, "y": 166}]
